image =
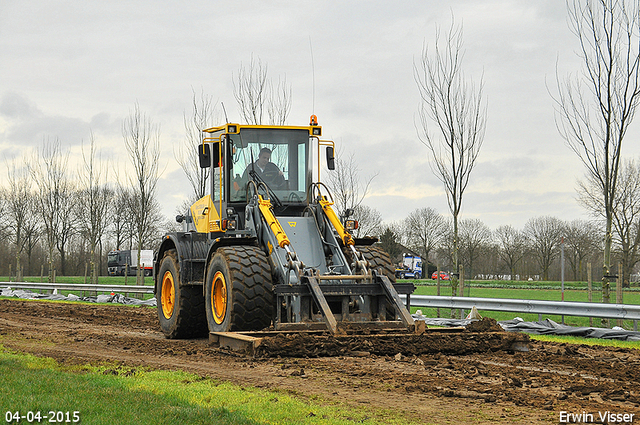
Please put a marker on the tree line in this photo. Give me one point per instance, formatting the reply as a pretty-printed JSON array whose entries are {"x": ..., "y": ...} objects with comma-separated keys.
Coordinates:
[
  {"x": 506, "y": 252},
  {"x": 56, "y": 219}
]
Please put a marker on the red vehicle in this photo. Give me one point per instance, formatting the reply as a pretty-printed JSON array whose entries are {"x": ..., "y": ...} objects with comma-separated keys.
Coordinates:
[{"x": 443, "y": 276}]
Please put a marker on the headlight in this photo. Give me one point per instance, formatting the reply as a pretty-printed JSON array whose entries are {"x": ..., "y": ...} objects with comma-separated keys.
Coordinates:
[{"x": 351, "y": 224}]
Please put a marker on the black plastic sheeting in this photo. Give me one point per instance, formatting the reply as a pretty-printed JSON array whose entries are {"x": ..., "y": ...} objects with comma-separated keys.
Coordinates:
[
  {"x": 545, "y": 327},
  {"x": 549, "y": 327},
  {"x": 115, "y": 298}
]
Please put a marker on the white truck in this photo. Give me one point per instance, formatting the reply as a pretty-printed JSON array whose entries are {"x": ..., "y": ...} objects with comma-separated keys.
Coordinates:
[
  {"x": 411, "y": 267},
  {"x": 124, "y": 261}
]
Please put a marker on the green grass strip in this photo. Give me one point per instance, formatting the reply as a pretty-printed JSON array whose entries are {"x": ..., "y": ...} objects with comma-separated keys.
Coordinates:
[
  {"x": 587, "y": 341},
  {"x": 123, "y": 395}
]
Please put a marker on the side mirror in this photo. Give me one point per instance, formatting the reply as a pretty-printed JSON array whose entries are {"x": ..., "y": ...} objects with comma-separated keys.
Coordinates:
[
  {"x": 331, "y": 161},
  {"x": 207, "y": 157},
  {"x": 204, "y": 155}
]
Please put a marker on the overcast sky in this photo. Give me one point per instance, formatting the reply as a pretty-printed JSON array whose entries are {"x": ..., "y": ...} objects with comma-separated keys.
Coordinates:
[{"x": 69, "y": 68}]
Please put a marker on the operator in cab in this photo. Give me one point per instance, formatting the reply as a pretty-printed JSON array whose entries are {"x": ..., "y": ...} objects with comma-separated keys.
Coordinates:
[{"x": 266, "y": 170}]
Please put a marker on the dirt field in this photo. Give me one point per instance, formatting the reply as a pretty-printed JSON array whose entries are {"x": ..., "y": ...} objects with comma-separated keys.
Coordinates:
[{"x": 479, "y": 388}]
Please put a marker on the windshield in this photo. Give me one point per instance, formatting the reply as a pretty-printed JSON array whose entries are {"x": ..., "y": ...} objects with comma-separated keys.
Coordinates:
[
  {"x": 112, "y": 258},
  {"x": 279, "y": 157}
]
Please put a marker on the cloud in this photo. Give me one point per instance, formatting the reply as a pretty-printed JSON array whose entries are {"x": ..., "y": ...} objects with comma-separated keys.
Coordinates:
[
  {"x": 27, "y": 125},
  {"x": 15, "y": 106}
]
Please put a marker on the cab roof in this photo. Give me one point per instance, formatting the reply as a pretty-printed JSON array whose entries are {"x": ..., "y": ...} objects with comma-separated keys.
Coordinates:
[{"x": 230, "y": 128}]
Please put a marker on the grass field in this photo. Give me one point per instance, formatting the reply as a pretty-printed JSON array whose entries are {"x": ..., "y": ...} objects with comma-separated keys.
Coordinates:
[{"x": 122, "y": 395}]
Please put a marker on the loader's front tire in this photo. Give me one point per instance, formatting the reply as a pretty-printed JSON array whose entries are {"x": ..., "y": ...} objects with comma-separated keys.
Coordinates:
[
  {"x": 238, "y": 290},
  {"x": 180, "y": 308}
]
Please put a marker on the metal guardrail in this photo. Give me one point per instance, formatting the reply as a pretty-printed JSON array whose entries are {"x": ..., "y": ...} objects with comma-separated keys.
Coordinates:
[
  {"x": 559, "y": 308},
  {"x": 134, "y": 289}
]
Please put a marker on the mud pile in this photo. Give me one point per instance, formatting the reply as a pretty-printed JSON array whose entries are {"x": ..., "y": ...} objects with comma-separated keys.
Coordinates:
[
  {"x": 487, "y": 324},
  {"x": 458, "y": 343}
]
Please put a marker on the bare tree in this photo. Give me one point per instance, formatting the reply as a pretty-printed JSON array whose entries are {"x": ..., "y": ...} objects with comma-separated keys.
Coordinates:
[
  {"x": 595, "y": 109},
  {"x": 455, "y": 107},
  {"x": 5, "y": 228},
  {"x": 424, "y": 228},
  {"x": 142, "y": 141},
  {"x": 279, "y": 101},
  {"x": 544, "y": 234},
  {"x": 257, "y": 95},
  {"x": 94, "y": 201},
  {"x": 627, "y": 218},
  {"x": 346, "y": 184},
  {"x": 512, "y": 245},
  {"x": 20, "y": 209},
  {"x": 475, "y": 239},
  {"x": 369, "y": 221},
  {"x": 69, "y": 201},
  {"x": 581, "y": 241},
  {"x": 32, "y": 238},
  {"x": 56, "y": 199},
  {"x": 445, "y": 249},
  {"x": 626, "y": 212},
  {"x": 120, "y": 216},
  {"x": 187, "y": 155}
]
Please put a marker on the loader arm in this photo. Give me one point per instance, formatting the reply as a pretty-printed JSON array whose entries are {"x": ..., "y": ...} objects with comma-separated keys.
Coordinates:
[
  {"x": 347, "y": 239},
  {"x": 360, "y": 263}
]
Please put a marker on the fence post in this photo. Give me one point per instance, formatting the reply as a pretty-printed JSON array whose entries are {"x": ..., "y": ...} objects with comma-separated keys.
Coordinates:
[
  {"x": 437, "y": 287},
  {"x": 562, "y": 271},
  {"x": 461, "y": 288},
  {"x": 589, "y": 289},
  {"x": 85, "y": 279},
  {"x": 619, "y": 281}
]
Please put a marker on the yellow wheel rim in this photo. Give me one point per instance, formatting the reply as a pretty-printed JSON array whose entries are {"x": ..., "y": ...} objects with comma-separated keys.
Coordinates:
[
  {"x": 168, "y": 296},
  {"x": 219, "y": 298}
]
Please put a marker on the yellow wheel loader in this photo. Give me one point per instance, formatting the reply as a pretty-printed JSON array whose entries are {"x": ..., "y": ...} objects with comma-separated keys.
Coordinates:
[
  {"x": 265, "y": 250},
  {"x": 265, "y": 246}
]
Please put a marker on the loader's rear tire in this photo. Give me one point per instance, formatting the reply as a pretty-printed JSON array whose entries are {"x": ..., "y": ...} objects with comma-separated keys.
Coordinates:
[
  {"x": 180, "y": 308},
  {"x": 238, "y": 290},
  {"x": 379, "y": 260}
]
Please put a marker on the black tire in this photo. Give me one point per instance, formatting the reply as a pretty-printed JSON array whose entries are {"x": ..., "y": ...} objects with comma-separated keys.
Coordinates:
[
  {"x": 378, "y": 260},
  {"x": 181, "y": 314},
  {"x": 245, "y": 274},
  {"x": 417, "y": 276}
]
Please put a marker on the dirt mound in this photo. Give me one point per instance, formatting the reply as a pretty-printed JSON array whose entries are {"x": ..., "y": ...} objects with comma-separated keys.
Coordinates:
[
  {"x": 486, "y": 324},
  {"x": 458, "y": 343}
]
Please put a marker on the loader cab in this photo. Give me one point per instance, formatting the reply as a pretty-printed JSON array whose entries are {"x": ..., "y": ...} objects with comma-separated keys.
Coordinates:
[
  {"x": 278, "y": 157},
  {"x": 236, "y": 157}
]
